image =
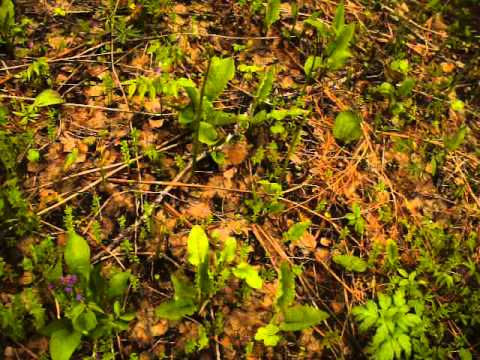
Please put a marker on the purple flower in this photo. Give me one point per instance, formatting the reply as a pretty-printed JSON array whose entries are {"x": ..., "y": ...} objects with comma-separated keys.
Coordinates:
[
  {"x": 68, "y": 289},
  {"x": 69, "y": 280},
  {"x": 79, "y": 297},
  {"x": 73, "y": 279},
  {"x": 50, "y": 286}
]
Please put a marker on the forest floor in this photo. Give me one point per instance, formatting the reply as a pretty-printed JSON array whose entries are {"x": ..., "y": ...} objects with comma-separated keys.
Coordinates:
[{"x": 239, "y": 179}]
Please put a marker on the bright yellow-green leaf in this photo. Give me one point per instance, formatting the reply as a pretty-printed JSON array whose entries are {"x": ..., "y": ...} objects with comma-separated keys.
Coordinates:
[
  {"x": 197, "y": 246},
  {"x": 221, "y": 72},
  {"x": 207, "y": 133},
  {"x": 248, "y": 273},
  {"x": 63, "y": 344},
  {"x": 268, "y": 334},
  {"x": 347, "y": 127},
  {"x": 77, "y": 255},
  {"x": 47, "y": 98}
]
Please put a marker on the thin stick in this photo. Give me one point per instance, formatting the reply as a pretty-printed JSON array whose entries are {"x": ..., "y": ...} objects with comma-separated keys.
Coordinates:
[{"x": 84, "y": 189}]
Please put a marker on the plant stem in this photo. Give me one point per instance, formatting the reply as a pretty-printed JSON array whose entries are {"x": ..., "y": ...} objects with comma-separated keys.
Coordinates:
[
  {"x": 198, "y": 118},
  {"x": 299, "y": 127}
]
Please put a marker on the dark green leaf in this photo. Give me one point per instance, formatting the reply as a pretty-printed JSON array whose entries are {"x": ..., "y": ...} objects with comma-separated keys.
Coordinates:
[
  {"x": 175, "y": 310},
  {"x": 118, "y": 284}
]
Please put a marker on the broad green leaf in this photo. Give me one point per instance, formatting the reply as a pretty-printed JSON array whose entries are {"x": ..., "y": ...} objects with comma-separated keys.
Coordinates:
[
  {"x": 63, "y": 343},
  {"x": 186, "y": 115},
  {"x": 259, "y": 117},
  {"x": 184, "y": 289},
  {"x": 77, "y": 255},
  {"x": 197, "y": 246},
  {"x": 300, "y": 317},
  {"x": 207, "y": 133},
  {"x": 85, "y": 321},
  {"x": 350, "y": 262},
  {"x": 286, "y": 286},
  {"x": 272, "y": 13},
  {"x": 312, "y": 64},
  {"x": 249, "y": 68},
  {"x": 47, "y": 98},
  {"x": 221, "y": 72},
  {"x": 218, "y": 157},
  {"x": 277, "y": 128},
  {"x": 339, "y": 51},
  {"x": 248, "y": 273},
  {"x": 265, "y": 87},
  {"x": 399, "y": 298},
  {"x": 228, "y": 253},
  {"x": 386, "y": 89},
  {"x": 401, "y": 66},
  {"x": 268, "y": 334},
  {"x": 465, "y": 354},
  {"x": 296, "y": 231},
  {"x": 452, "y": 143},
  {"x": 406, "y": 87},
  {"x": 175, "y": 310},
  {"x": 347, "y": 127},
  {"x": 318, "y": 25},
  {"x": 7, "y": 16},
  {"x": 118, "y": 284},
  {"x": 339, "y": 20},
  {"x": 33, "y": 155},
  {"x": 338, "y": 59}
]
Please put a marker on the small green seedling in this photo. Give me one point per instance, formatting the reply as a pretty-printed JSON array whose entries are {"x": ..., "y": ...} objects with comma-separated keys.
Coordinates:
[
  {"x": 288, "y": 315},
  {"x": 211, "y": 273},
  {"x": 91, "y": 302},
  {"x": 336, "y": 41},
  {"x": 347, "y": 127},
  {"x": 394, "y": 322}
]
